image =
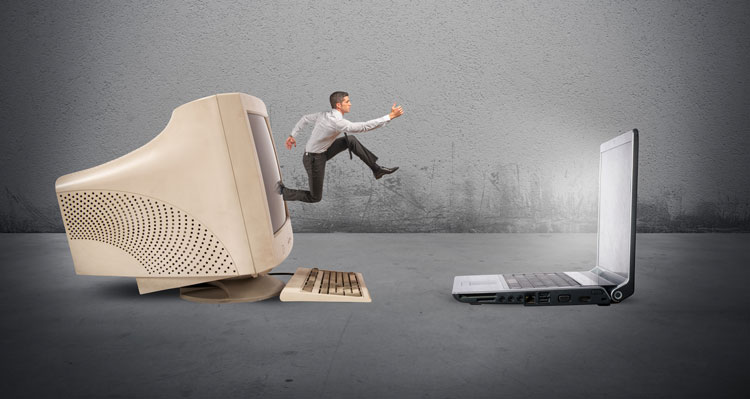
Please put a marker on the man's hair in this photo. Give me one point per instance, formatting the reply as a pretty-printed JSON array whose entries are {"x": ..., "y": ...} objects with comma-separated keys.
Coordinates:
[{"x": 337, "y": 97}]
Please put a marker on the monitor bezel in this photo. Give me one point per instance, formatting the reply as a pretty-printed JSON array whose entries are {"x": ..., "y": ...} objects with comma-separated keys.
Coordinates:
[
  {"x": 626, "y": 284},
  {"x": 278, "y": 165}
]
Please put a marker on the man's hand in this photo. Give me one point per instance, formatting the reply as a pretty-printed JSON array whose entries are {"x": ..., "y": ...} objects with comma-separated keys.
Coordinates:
[
  {"x": 290, "y": 141},
  {"x": 396, "y": 111}
]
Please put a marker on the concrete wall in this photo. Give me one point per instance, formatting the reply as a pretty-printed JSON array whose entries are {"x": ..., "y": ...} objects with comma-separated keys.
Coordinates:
[{"x": 506, "y": 103}]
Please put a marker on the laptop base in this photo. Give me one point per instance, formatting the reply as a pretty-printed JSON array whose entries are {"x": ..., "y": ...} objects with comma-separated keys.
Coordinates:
[{"x": 547, "y": 297}]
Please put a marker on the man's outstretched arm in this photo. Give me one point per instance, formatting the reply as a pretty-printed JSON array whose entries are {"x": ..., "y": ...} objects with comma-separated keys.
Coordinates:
[
  {"x": 360, "y": 127},
  {"x": 304, "y": 121}
]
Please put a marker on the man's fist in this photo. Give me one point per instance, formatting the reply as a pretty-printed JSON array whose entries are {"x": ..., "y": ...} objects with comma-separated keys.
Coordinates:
[{"x": 290, "y": 141}]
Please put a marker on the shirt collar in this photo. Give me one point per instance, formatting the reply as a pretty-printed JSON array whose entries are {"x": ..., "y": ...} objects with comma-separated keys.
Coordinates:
[{"x": 337, "y": 114}]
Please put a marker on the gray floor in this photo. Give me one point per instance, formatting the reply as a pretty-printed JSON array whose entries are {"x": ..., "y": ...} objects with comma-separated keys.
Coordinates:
[{"x": 683, "y": 334}]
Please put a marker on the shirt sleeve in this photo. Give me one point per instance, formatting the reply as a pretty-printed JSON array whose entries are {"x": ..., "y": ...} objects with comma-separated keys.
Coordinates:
[
  {"x": 304, "y": 121},
  {"x": 346, "y": 126}
]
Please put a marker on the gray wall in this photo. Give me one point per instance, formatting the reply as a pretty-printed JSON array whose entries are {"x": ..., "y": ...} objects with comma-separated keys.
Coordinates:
[{"x": 506, "y": 103}]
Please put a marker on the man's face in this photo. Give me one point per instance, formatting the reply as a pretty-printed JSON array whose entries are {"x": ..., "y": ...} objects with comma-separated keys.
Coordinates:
[{"x": 345, "y": 105}]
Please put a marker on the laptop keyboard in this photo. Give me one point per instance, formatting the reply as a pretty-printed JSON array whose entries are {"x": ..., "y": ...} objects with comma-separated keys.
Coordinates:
[{"x": 539, "y": 280}]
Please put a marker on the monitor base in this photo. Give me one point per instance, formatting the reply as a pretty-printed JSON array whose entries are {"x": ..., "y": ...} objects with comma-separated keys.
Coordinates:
[{"x": 251, "y": 289}]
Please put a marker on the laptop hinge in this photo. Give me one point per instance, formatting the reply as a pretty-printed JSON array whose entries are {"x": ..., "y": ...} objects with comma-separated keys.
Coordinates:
[{"x": 610, "y": 277}]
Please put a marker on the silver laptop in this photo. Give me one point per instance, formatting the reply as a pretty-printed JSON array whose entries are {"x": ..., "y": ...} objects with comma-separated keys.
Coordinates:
[{"x": 612, "y": 277}]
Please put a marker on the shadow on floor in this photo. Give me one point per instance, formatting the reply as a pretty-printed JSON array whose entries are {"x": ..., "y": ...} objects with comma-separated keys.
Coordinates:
[{"x": 128, "y": 289}]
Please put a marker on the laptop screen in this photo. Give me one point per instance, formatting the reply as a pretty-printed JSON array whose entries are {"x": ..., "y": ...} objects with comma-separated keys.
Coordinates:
[{"x": 616, "y": 172}]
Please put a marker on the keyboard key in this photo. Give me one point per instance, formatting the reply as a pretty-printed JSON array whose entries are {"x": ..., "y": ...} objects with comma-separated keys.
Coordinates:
[
  {"x": 347, "y": 284},
  {"x": 326, "y": 281},
  {"x": 311, "y": 280},
  {"x": 355, "y": 284}
]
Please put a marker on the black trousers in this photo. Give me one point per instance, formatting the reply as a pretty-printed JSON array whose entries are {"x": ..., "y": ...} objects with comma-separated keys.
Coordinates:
[{"x": 315, "y": 165}]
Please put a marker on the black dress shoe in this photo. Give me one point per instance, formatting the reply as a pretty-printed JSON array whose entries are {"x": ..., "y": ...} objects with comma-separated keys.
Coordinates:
[{"x": 384, "y": 171}]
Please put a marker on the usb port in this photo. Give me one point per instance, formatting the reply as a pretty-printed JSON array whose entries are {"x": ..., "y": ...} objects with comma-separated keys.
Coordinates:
[
  {"x": 585, "y": 298},
  {"x": 563, "y": 298}
]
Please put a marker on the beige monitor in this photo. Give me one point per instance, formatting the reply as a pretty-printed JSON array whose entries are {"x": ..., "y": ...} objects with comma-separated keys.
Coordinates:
[{"x": 196, "y": 207}]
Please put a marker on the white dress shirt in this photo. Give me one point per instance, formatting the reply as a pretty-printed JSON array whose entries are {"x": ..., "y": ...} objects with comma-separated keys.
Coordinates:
[{"x": 328, "y": 125}]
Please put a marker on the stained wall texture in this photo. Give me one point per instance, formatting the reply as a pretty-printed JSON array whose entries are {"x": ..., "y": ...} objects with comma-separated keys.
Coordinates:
[{"x": 506, "y": 103}]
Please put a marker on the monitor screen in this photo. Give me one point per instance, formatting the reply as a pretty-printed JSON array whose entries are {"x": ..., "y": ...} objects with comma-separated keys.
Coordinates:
[
  {"x": 269, "y": 169},
  {"x": 615, "y": 207}
]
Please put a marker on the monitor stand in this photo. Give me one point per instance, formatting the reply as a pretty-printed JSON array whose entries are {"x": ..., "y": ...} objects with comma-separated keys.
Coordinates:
[{"x": 246, "y": 289}]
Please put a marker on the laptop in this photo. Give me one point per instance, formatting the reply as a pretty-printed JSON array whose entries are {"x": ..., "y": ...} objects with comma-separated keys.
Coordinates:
[{"x": 612, "y": 278}]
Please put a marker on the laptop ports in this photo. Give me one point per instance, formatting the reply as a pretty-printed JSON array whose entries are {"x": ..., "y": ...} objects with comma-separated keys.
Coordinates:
[
  {"x": 530, "y": 299},
  {"x": 563, "y": 298},
  {"x": 584, "y": 298},
  {"x": 543, "y": 297}
]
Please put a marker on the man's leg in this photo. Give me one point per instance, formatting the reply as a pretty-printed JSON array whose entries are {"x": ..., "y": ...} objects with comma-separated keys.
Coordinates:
[
  {"x": 315, "y": 165},
  {"x": 352, "y": 143}
]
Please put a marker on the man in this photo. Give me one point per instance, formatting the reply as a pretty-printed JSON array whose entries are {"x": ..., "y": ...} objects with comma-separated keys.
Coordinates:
[{"x": 323, "y": 145}]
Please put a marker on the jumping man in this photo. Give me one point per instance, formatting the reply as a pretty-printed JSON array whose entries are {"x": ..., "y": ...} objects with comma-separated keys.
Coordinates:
[{"x": 324, "y": 145}]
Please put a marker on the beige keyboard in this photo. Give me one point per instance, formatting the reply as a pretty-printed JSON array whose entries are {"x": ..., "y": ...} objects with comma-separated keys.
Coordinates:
[{"x": 317, "y": 285}]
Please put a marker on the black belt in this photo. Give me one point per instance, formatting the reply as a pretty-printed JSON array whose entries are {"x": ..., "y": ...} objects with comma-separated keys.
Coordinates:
[{"x": 347, "y": 146}]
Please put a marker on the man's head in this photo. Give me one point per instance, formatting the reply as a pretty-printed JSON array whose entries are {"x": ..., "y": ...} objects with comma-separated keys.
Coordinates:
[{"x": 340, "y": 101}]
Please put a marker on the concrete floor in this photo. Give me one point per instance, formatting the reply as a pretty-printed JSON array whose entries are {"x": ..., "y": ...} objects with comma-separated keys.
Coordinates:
[{"x": 683, "y": 334}]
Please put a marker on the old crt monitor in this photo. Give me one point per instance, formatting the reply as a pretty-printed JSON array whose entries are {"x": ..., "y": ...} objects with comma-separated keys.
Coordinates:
[{"x": 196, "y": 207}]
